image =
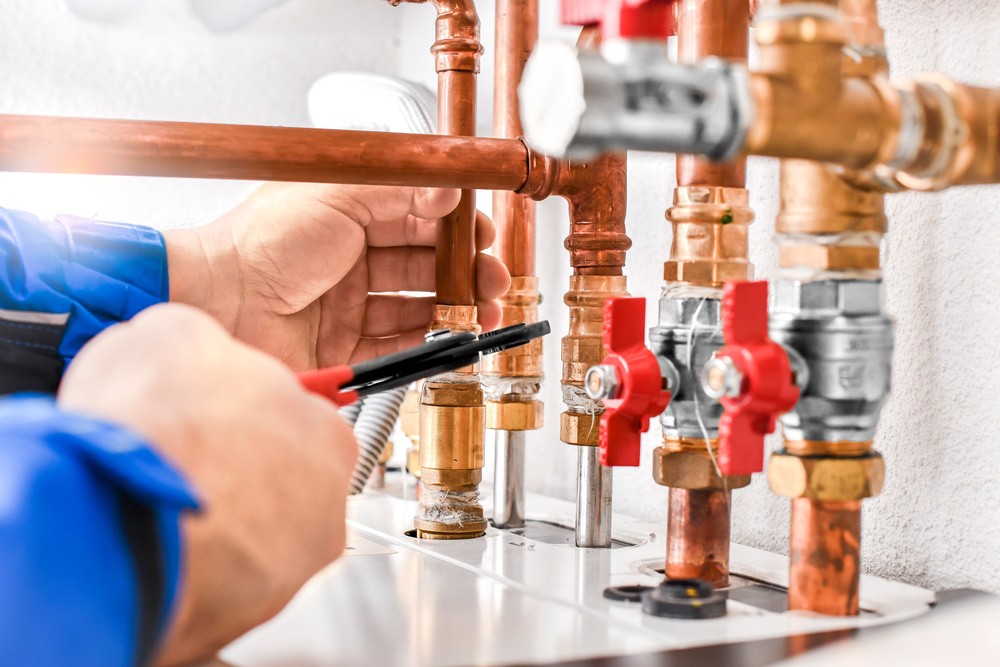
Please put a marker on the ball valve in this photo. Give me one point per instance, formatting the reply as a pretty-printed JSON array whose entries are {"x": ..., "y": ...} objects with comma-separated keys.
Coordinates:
[
  {"x": 625, "y": 19},
  {"x": 751, "y": 376},
  {"x": 630, "y": 381}
]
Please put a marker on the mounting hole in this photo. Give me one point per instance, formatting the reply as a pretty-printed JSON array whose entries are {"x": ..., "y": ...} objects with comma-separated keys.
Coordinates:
[{"x": 626, "y": 593}]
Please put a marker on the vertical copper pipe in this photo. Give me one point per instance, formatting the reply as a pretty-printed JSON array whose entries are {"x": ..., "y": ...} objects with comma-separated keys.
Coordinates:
[
  {"x": 710, "y": 219},
  {"x": 717, "y": 28},
  {"x": 825, "y": 556},
  {"x": 513, "y": 214},
  {"x": 698, "y": 535},
  {"x": 457, "y": 52}
]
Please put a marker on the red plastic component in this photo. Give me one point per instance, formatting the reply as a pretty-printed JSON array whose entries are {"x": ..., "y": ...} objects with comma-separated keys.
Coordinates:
[
  {"x": 627, "y": 19},
  {"x": 640, "y": 394},
  {"x": 768, "y": 387},
  {"x": 327, "y": 382}
]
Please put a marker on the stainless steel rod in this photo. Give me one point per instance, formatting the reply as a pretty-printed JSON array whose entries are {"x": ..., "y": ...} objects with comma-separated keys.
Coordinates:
[
  {"x": 508, "y": 485},
  {"x": 593, "y": 499}
]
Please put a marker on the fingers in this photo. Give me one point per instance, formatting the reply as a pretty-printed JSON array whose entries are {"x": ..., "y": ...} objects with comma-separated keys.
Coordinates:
[
  {"x": 391, "y": 315},
  {"x": 486, "y": 231},
  {"x": 401, "y": 269},
  {"x": 488, "y": 314},
  {"x": 367, "y": 204},
  {"x": 369, "y": 348},
  {"x": 492, "y": 277},
  {"x": 416, "y": 231}
]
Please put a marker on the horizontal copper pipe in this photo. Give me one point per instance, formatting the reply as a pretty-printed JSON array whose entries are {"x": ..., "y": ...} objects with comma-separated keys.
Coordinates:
[{"x": 250, "y": 152}]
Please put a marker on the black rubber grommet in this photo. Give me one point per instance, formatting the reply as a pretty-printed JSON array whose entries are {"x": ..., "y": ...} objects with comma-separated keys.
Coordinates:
[
  {"x": 685, "y": 599},
  {"x": 626, "y": 593}
]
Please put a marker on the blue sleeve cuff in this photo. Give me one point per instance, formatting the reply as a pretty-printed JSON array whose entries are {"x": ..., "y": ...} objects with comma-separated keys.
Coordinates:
[
  {"x": 112, "y": 271},
  {"x": 90, "y": 274},
  {"x": 65, "y": 476}
]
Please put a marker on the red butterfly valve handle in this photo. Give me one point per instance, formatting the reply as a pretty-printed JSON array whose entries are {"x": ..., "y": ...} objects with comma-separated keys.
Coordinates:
[
  {"x": 751, "y": 376},
  {"x": 629, "y": 381},
  {"x": 627, "y": 19}
]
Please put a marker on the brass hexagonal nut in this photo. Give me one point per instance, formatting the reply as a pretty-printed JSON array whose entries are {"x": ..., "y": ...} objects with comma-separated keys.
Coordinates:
[
  {"x": 514, "y": 415},
  {"x": 691, "y": 470},
  {"x": 576, "y": 428},
  {"x": 826, "y": 478}
]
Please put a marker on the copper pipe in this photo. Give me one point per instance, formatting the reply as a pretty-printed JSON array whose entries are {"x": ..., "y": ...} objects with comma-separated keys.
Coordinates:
[
  {"x": 698, "y": 535},
  {"x": 514, "y": 215},
  {"x": 251, "y": 152},
  {"x": 825, "y": 556},
  {"x": 456, "y": 54},
  {"x": 717, "y": 28}
]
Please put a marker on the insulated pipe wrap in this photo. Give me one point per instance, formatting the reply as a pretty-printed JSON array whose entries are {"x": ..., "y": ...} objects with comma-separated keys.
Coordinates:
[{"x": 372, "y": 429}]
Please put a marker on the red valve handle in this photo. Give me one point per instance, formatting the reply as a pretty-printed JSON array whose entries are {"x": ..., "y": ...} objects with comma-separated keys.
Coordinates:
[
  {"x": 627, "y": 19},
  {"x": 768, "y": 388},
  {"x": 641, "y": 393}
]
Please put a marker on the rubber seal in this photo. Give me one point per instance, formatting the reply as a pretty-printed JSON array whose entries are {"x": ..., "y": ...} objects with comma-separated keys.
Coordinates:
[
  {"x": 626, "y": 593},
  {"x": 692, "y": 599}
]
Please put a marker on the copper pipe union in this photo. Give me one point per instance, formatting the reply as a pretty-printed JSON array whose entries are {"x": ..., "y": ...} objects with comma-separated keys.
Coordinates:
[
  {"x": 692, "y": 469},
  {"x": 826, "y": 478},
  {"x": 710, "y": 240},
  {"x": 825, "y": 557},
  {"x": 698, "y": 535}
]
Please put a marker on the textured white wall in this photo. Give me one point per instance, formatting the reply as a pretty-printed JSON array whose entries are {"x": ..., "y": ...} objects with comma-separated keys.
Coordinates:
[
  {"x": 164, "y": 64},
  {"x": 935, "y": 523}
]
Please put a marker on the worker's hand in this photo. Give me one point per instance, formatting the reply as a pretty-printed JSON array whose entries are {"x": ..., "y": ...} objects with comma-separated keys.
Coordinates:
[
  {"x": 310, "y": 273},
  {"x": 270, "y": 462}
]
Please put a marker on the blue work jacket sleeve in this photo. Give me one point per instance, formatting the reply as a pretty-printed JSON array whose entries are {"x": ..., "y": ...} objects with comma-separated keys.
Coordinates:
[
  {"x": 90, "y": 545},
  {"x": 64, "y": 281}
]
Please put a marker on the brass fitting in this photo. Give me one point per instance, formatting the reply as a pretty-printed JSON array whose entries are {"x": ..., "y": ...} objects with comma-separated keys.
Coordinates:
[
  {"x": 826, "y": 478},
  {"x": 452, "y": 427},
  {"x": 710, "y": 244},
  {"x": 451, "y": 460},
  {"x": 520, "y": 304},
  {"x": 512, "y": 414},
  {"x": 583, "y": 348},
  {"x": 685, "y": 464}
]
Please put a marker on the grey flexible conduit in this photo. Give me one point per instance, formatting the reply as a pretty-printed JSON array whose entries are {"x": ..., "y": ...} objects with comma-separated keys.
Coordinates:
[{"x": 372, "y": 428}]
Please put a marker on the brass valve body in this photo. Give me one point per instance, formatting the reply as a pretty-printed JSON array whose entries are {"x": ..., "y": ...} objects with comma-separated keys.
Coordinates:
[
  {"x": 710, "y": 243},
  {"x": 451, "y": 459},
  {"x": 583, "y": 348},
  {"x": 452, "y": 423}
]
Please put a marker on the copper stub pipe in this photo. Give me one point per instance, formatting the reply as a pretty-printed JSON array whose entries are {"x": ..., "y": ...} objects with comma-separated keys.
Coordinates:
[
  {"x": 717, "y": 28},
  {"x": 825, "y": 557},
  {"x": 698, "y": 535}
]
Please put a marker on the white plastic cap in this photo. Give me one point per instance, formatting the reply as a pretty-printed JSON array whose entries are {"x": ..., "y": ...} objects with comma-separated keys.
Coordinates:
[{"x": 551, "y": 96}]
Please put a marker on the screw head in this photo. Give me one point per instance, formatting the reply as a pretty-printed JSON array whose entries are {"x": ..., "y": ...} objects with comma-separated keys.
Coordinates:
[
  {"x": 601, "y": 382},
  {"x": 720, "y": 377}
]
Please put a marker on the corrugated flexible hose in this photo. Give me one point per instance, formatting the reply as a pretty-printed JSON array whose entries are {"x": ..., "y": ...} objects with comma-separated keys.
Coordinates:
[{"x": 372, "y": 428}]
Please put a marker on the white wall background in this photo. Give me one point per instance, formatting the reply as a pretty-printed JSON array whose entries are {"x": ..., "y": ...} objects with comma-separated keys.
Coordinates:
[{"x": 936, "y": 522}]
